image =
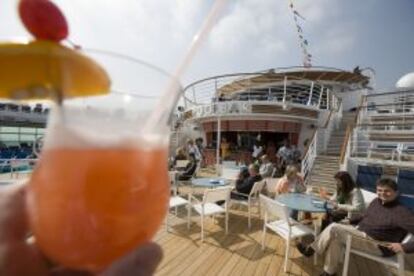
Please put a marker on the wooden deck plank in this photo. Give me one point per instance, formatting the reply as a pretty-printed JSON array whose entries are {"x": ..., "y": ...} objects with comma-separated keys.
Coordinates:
[
  {"x": 239, "y": 253},
  {"x": 214, "y": 252}
]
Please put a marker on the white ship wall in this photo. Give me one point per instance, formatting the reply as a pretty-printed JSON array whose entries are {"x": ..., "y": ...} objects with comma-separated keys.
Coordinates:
[
  {"x": 306, "y": 132},
  {"x": 351, "y": 99}
]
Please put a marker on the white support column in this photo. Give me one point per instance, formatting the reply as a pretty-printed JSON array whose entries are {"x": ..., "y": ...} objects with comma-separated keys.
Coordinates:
[
  {"x": 311, "y": 93},
  {"x": 218, "y": 144},
  {"x": 284, "y": 89},
  {"x": 215, "y": 89},
  {"x": 320, "y": 96},
  {"x": 328, "y": 99},
  {"x": 194, "y": 95}
]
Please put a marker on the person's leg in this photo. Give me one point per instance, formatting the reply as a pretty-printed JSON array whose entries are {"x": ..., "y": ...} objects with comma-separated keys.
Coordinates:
[
  {"x": 334, "y": 248},
  {"x": 330, "y": 233},
  {"x": 293, "y": 214}
]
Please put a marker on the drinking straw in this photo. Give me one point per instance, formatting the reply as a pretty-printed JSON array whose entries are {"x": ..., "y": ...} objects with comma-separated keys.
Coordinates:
[{"x": 166, "y": 103}]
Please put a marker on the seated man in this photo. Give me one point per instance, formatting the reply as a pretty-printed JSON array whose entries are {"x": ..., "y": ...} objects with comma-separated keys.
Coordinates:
[
  {"x": 384, "y": 220},
  {"x": 245, "y": 183},
  {"x": 189, "y": 170},
  {"x": 266, "y": 169}
]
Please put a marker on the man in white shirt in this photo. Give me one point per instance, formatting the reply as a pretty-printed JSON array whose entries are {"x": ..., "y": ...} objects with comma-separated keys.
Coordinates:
[
  {"x": 193, "y": 149},
  {"x": 266, "y": 168},
  {"x": 257, "y": 150}
]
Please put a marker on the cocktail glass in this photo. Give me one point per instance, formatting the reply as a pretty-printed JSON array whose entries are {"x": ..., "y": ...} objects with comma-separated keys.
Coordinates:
[{"x": 101, "y": 186}]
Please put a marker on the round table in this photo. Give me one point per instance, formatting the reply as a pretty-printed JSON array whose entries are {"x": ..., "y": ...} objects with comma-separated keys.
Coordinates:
[
  {"x": 212, "y": 182},
  {"x": 302, "y": 202}
]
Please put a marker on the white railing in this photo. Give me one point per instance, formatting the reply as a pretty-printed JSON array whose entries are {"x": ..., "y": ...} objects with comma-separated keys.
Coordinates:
[
  {"x": 18, "y": 114},
  {"x": 236, "y": 108},
  {"x": 325, "y": 132},
  {"x": 388, "y": 109},
  {"x": 347, "y": 153},
  {"x": 258, "y": 87},
  {"x": 384, "y": 129},
  {"x": 15, "y": 166},
  {"x": 362, "y": 145},
  {"x": 309, "y": 158},
  {"x": 332, "y": 125}
]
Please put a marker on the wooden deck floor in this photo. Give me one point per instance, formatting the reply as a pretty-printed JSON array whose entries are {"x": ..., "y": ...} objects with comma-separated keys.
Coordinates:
[{"x": 239, "y": 252}]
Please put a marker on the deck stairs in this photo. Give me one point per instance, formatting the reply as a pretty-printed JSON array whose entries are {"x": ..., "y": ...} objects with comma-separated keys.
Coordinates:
[
  {"x": 326, "y": 165},
  {"x": 337, "y": 137}
]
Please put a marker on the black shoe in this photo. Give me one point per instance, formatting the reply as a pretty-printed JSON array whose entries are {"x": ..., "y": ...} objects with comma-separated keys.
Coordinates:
[
  {"x": 305, "y": 250},
  {"x": 326, "y": 274}
]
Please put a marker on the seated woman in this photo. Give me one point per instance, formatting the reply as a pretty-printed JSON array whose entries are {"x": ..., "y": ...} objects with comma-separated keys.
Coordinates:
[
  {"x": 346, "y": 200},
  {"x": 245, "y": 182},
  {"x": 292, "y": 182},
  {"x": 189, "y": 170}
]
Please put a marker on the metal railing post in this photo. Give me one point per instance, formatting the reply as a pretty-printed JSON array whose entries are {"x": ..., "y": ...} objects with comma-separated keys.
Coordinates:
[
  {"x": 311, "y": 94},
  {"x": 320, "y": 97}
]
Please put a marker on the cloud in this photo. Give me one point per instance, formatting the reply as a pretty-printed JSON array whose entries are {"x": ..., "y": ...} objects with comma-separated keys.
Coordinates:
[
  {"x": 337, "y": 40},
  {"x": 250, "y": 26}
]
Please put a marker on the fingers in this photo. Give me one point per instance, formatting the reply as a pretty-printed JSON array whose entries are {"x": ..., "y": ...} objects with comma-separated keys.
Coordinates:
[
  {"x": 141, "y": 262},
  {"x": 13, "y": 217}
]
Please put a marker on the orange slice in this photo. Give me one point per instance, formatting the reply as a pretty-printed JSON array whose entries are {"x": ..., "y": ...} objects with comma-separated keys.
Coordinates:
[{"x": 47, "y": 70}]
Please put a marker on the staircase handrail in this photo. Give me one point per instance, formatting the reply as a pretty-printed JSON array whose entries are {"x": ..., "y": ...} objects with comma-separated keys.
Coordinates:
[
  {"x": 359, "y": 109},
  {"x": 308, "y": 146},
  {"x": 309, "y": 156},
  {"x": 331, "y": 123},
  {"x": 345, "y": 144},
  {"x": 349, "y": 129}
]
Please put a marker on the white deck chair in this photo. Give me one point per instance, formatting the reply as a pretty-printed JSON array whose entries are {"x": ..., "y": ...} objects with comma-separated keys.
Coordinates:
[
  {"x": 175, "y": 200},
  {"x": 251, "y": 199},
  {"x": 180, "y": 164},
  {"x": 396, "y": 261},
  {"x": 287, "y": 228},
  {"x": 271, "y": 184},
  {"x": 209, "y": 207}
]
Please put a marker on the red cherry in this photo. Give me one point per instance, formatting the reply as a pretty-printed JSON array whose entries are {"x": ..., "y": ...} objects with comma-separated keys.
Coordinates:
[{"x": 43, "y": 19}]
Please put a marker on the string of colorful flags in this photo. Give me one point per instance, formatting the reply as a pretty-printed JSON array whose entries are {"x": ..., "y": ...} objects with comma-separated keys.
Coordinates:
[{"x": 304, "y": 43}]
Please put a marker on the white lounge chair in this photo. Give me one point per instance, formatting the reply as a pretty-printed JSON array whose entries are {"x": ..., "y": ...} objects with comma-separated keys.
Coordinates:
[
  {"x": 209, "y": 207},
  {"x": 287, "y": 228},
  {"x": 251, "y": 199}
]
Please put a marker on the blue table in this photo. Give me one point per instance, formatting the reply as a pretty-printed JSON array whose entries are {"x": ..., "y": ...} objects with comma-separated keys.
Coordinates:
[
  {"x": 210, "y": 182},
  {"x": 302, "y": 202}
]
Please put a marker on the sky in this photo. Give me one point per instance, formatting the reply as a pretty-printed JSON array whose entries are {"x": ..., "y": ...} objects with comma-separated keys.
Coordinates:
[{"x": 249, "y": 36}]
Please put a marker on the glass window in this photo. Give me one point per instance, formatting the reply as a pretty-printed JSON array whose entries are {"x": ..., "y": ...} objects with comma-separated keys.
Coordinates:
[
  {"x": 9, "y": 130},
  {"x": 27, "y": 130},
  {"x": 9, "y": 137},
  {"x": 40, "y": 130},
  {"x": 27, "y": 137}
]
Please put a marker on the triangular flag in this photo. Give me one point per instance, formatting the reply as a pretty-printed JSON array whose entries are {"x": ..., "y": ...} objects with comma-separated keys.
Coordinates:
[{"x": 296, "y": 13}]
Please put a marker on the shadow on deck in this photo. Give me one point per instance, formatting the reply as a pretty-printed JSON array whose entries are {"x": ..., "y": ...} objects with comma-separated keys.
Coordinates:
[{"x": 239, "y": 252}]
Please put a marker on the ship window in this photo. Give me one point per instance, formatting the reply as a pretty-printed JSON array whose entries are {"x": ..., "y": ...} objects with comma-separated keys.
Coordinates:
[
  {"x": 27, "y": 138},
  {"x": 8, "y": 137},
  {"x": 27, "y": 130},
  {"x": 8, "y": 129}
]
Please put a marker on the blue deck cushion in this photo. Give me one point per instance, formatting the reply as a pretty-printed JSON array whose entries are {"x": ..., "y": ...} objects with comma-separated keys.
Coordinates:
[
  {"x": 368, "y": 176},
  {"x": 407, "y": 201},
  {"x": 406, "y": 182}
]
